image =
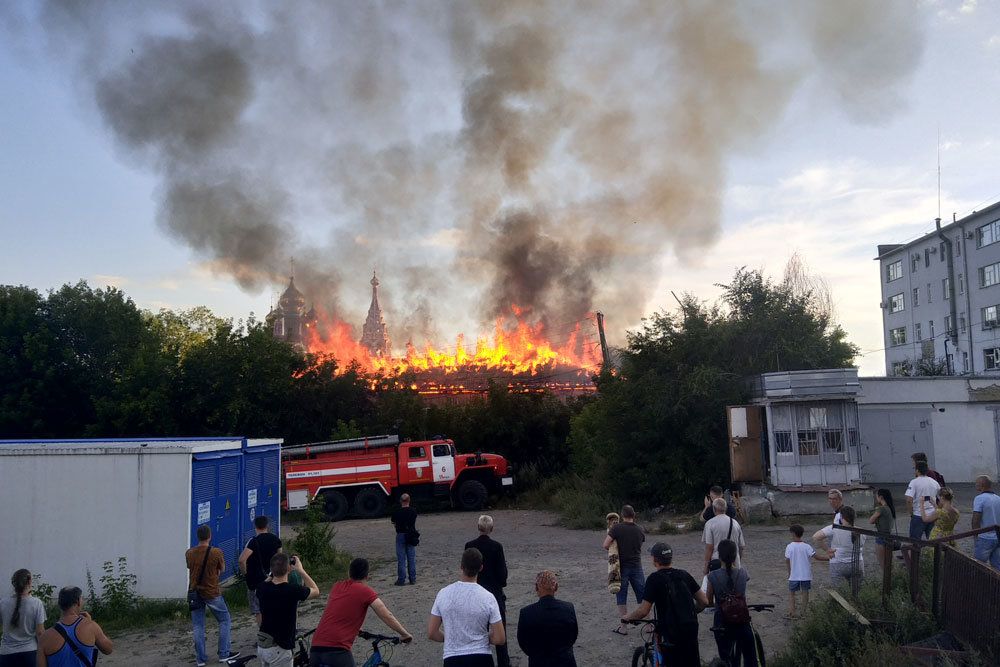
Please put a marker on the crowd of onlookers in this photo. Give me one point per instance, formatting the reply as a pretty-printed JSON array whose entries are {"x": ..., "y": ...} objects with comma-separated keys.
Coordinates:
[{"x": 469, "y": 616}]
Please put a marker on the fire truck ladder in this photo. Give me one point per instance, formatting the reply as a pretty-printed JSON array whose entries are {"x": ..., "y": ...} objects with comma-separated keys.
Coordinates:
[{"x": 339, "y": 445}]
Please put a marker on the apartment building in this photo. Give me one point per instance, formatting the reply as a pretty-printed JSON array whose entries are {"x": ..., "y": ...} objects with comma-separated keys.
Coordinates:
[{"x": 941, "y": 297}]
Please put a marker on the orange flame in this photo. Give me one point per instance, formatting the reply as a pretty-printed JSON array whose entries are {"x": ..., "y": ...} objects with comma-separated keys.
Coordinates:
[{"x": 517, "y": 349}]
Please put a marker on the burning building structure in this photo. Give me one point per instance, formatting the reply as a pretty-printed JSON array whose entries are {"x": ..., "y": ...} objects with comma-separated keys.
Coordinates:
[
  {"x": 289, "y": 320},
  {"x": 375, "y": 334}
]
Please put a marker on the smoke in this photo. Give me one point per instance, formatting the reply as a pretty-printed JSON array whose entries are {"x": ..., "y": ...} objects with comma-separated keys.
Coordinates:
[{"x": 482, "y": 155}]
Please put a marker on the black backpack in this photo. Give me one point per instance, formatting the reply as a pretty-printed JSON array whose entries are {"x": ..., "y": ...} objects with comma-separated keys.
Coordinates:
[{"x": 680, "y": 610}]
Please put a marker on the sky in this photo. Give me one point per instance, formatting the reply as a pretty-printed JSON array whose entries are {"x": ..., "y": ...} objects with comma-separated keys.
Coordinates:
[{"x": 830, "y": 165}]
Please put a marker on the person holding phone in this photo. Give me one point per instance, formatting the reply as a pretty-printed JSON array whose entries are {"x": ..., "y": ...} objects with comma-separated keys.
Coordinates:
[{"x": 920, "y": 495}]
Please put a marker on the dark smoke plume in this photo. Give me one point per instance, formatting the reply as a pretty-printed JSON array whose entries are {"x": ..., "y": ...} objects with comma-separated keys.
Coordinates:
[{"x": 480, "y": 154}]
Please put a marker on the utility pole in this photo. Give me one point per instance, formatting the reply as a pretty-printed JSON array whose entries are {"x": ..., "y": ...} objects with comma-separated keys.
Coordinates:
[{"x": 605, "y": 354}]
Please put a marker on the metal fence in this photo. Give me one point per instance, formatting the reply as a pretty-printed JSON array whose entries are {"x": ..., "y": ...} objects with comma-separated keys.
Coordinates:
[{"x": 970, "y": 600}]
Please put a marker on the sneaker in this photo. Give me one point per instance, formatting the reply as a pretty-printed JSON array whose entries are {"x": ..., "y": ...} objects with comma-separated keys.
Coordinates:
[
  {"x": 231, "y": 656},
  {"x": 200, "y": 664},
  {"x": 400, "y": 583}
]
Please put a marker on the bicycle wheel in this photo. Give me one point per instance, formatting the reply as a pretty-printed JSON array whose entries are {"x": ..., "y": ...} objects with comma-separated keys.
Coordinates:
[{"x": 642, "y": 657}]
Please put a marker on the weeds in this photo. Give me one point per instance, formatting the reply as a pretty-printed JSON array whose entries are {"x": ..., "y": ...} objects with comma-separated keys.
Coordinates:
[{"x": 314, "y": 544}]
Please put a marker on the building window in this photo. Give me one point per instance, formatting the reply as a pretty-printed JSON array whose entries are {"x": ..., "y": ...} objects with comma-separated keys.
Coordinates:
[
  {"x": 930, "y": 329},
  {"x": 961, "y": 284},
  {"x": 989, "y": 275},
  {"x": 991, "y": 357},
  {"x": 916, "y": 297},
  {"x": 958, "y": 245},
  {"x": 833, "y": 442},
  {"x": 990, "y": 317},
  {"x": 930, "y": 294},
  {"x": 914, "y": 263},
  {"x": 896, "y": 303},
  {"x": 941, "y": 250},
  {"x": 279, "y": 327},
  {"x": 961, "y": 324},
  {"x": 917, "y": 335},
  {"x": 894, "y": 271},
  {"x": 946, "y": 288},
  {"x": 897, "y": 336},
  {"x": 988, "y": 234},
  {"x": 965, "y": 362},
  {"x": 808, "y": 445},
  {"x": 949, "y": 325},
  {"x": 783, "y": 442},
  {"x": 927, "y": 257},
  {"x": 898, "y": 368}
]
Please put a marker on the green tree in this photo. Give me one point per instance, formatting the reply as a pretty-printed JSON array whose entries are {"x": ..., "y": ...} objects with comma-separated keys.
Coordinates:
[{"x": 657, "y": 430}]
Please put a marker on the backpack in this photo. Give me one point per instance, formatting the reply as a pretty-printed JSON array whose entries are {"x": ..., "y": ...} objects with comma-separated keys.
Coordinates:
[
  {"x": 733, "y": 607},
  {"x": 681, "y": 610}
]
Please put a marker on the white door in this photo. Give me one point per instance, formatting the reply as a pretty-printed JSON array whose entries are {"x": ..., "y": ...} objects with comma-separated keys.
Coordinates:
[{"x": 443, "y": 463}]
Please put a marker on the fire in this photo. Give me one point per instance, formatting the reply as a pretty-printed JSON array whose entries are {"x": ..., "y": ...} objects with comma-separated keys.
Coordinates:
[{"x": 517, "y": 350}]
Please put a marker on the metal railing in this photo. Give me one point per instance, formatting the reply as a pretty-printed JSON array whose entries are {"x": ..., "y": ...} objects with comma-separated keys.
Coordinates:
[{"x": 965, "y": 593}]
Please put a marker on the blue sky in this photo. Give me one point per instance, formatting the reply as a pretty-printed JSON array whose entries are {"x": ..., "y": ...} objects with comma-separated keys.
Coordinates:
[{"x": 75, "y": 205}]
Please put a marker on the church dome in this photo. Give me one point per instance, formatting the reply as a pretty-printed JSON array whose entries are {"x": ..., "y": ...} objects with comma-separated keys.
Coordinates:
[{"x": 292, "y": 300}]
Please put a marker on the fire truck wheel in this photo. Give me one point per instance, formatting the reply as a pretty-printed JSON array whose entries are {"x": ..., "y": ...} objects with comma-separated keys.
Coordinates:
[
  {"x": 472, "y": 495},
  {"x": 335, "y": 505},
  {"x": 369, "y": 503}
]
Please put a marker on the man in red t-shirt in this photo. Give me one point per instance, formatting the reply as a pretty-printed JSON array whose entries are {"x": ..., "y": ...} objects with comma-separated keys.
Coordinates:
[{"x": 344, "y": 615}]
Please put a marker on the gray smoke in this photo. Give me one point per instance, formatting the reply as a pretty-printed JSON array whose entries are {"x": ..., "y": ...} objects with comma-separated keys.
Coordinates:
[{"x": 481, "y": 155}]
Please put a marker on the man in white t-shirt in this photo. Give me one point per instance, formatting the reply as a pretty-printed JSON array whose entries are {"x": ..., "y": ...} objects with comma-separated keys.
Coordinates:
[
  {"x": 721, "y": 527},
  {"x": 922, "y": 489},
  {"x": 466, "y": 617},
  {"x": 836, "y": 499}
]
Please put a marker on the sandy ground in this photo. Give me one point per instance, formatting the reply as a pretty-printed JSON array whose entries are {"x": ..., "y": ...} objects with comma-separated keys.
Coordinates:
[{"x": 532, "y": 542}]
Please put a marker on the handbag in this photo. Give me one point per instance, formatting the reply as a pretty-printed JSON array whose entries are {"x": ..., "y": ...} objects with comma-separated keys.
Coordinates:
[
  {"x": 412, "y": 537},
  {"x": 195, "y": 601}
]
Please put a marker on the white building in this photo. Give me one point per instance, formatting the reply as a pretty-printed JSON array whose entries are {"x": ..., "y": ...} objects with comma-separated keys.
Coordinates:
[{"x": 941, "y": 297}]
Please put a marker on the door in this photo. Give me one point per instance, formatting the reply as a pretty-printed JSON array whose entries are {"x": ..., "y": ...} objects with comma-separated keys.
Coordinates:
[
  {"x": 414, "y": 463},
  {"x": 261, "y": 489},
  {"x": 745, "y": 458},
  {"x": 890, "y": 437},
  {"x": 215, "y": 500},
  {"x": 443, "y": 462}
]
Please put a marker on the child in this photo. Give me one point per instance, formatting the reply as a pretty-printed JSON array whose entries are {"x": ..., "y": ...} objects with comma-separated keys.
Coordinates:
[{"x": 797, "y": 555}]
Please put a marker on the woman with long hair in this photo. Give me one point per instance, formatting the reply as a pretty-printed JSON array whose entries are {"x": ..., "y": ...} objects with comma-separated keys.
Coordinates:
[
  {"x": 23, "y": 620},
  {"x": 844, "y": 547},
  {"x": 944, "y": 515},
  {"x": 884, "y": 519},
  {"x": 730, "y": 580}
]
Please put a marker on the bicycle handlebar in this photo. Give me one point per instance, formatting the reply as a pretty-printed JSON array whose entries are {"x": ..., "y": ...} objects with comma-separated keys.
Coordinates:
[{"x": 372, "y": 637}]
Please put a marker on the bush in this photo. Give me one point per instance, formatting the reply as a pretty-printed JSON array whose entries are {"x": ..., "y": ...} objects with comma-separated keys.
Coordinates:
[{"x": 314, "y": 544}]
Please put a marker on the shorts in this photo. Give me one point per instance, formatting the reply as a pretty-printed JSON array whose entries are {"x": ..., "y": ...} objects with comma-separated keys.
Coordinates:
[
  {"x": 473, "y": 660},
  {"x": 880, "y": 540},
  {"x": 794, "y": 586},
  {"x": 254, "y": 602}
]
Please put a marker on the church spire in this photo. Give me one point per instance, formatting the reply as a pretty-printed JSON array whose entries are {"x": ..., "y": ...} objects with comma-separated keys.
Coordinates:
[{"x": 374, "y": 334}]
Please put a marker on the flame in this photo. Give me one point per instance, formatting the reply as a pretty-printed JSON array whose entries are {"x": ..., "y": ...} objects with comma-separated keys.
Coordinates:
[{"x": 516, "y": 349}]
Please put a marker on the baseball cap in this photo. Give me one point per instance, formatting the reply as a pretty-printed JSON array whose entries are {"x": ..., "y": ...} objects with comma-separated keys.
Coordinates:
[{"x": 662, "y": 549}]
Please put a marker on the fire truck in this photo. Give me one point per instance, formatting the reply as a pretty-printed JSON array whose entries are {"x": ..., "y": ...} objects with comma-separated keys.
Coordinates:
[{"x": 363, "y": 474}]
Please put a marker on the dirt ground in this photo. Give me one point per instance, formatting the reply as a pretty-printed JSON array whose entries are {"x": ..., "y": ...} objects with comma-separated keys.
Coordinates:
[{"x": 532, "y": 542}]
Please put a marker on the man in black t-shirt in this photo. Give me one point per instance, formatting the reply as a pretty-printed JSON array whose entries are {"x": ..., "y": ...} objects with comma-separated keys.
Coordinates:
[
  {"x": 279, "y": 601},
  {"x": 629, "y": 538},
  {"x": 677, "y": 598},
  {"x": 709, "y": 513},
  {"x": 405, "y": 520},
  {"x": 255, "y": 560}
]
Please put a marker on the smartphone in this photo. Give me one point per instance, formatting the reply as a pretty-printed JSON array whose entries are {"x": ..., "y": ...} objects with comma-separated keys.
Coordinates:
[
  {"x": 292, "y": 561},
  {"x": 927, "y": 498}
]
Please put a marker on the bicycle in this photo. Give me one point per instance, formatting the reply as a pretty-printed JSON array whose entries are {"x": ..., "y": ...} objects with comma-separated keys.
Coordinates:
[
  {"x": 300, "y": 656},
  {"x": 733, "y": 659},
  {"x": 376, "y": 659},
  {"x": 647, "y": 655}
]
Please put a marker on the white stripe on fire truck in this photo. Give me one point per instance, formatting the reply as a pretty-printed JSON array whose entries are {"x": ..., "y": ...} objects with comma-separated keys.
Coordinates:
[
  {"x": 354, "y": 470},
  {"x": 418, "y": 464}
]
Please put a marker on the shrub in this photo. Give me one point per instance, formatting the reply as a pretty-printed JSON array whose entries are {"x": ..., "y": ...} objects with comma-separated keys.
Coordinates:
[{"x": 314, "y": 544}]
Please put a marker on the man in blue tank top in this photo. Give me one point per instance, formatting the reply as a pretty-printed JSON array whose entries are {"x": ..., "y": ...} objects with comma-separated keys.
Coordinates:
[{"x": 75, "y": 640}]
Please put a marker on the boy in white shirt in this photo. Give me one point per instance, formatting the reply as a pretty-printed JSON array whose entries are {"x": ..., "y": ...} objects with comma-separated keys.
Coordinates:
[{"x": 797, "y": 555}]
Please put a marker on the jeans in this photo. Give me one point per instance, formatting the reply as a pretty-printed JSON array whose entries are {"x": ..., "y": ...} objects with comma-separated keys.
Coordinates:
[
  {"x": 331, "y": 658},
  {"x": 631, "y": 574},
  {"x": 221, "y": 613},
  {"x": 274, "y": 656},
  {"x": 406, "y": 559},
  {"x": 988, "y": 551},
  {"x": 917, "y": 526},
  {"x": 22, "y": 659},
  {"x": 740, "y": 636}
]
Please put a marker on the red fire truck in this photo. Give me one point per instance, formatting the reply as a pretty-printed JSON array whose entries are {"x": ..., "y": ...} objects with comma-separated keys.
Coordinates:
[{"x": 365, "y": 473}]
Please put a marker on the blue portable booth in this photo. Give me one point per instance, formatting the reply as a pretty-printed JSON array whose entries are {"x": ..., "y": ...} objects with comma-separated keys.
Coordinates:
[
  {"x": 216, "y": 484},
  {"x": 261, "y": 477}
]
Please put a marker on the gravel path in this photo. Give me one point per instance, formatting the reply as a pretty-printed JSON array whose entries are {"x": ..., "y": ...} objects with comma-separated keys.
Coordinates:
[{"x": 532, "y": 542}]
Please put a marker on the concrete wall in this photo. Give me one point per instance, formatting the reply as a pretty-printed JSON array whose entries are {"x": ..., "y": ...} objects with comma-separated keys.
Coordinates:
[
  {"x": 963, "y": 430},
  {"x": 67, "y": 513}
]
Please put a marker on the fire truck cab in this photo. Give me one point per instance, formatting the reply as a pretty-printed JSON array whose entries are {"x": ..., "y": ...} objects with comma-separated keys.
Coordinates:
[{"x": 364, "y": 474}]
